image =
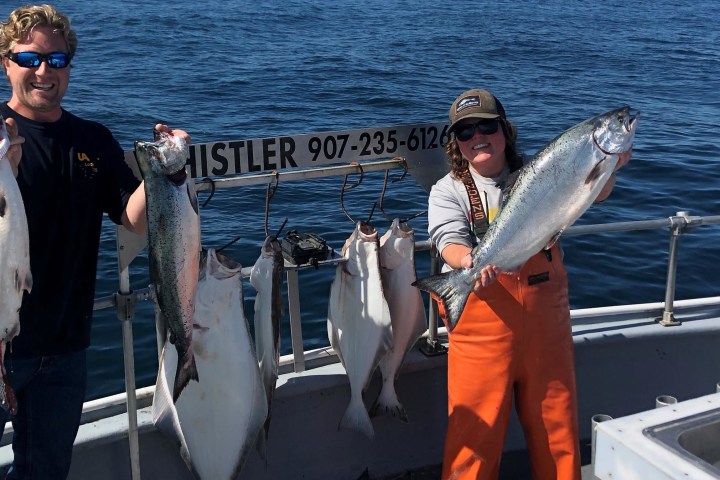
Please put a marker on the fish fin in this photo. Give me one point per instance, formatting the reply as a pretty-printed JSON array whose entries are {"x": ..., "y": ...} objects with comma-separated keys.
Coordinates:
[
  {"x": 356, "y": 418},
  {"x": 28, "y": 282},
  {"x": 596, "y": 172},
  {"x": 449, "y": 290},
  {"x": 554, "y": 240},
  {"x": 183, "y": 377},
  {"x": 388, "y": 405}
]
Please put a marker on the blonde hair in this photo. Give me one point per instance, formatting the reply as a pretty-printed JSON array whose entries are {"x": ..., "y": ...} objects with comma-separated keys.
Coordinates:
[{"x": 23, "y": 20}]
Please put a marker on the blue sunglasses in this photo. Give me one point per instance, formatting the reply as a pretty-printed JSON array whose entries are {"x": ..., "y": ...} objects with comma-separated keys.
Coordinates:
[{"x": 34, "y": 59}]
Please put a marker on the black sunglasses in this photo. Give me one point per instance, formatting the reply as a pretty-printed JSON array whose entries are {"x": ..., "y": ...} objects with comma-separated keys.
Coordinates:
[
  {"x": 486, "y": 126},
  {"x": 34, "y": 59}
]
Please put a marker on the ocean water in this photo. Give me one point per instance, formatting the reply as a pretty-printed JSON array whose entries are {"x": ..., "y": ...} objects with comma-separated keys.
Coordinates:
[{"x": 228, "y": 70}]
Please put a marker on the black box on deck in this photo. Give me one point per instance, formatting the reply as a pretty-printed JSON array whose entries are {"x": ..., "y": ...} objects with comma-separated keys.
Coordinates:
[{"x": 300, "y": 248}]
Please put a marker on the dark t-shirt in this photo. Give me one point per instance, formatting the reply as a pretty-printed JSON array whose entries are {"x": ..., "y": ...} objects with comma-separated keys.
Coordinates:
[{"x": 72, "y": 171}]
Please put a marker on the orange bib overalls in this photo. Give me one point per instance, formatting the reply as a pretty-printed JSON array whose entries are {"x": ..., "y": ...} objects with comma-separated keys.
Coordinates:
[{"x": 514, "y": 338}]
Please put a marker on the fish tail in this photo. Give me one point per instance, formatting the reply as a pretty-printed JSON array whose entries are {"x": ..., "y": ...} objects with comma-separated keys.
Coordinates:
[
  {"x": 183, "y": 374},
  {"x": 356, "y": 418},
  {"x": 449, "y": 291},
  {"x": 388, "y": 404}
]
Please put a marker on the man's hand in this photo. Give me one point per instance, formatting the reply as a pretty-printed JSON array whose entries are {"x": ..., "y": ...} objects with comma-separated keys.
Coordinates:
[{"x": 14, "y": 153}]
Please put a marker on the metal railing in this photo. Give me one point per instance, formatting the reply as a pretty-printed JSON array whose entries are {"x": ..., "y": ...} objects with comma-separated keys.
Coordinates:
[{"x": 678, "y": 225}]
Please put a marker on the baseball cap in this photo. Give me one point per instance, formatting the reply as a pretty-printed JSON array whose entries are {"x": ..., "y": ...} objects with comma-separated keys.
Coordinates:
[{"x": 475, "y": 103}]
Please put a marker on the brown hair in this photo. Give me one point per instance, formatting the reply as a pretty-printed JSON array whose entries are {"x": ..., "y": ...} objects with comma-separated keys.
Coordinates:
[
  {"x": 458, "y": 163},
  {"x": 23, "y": 20}
]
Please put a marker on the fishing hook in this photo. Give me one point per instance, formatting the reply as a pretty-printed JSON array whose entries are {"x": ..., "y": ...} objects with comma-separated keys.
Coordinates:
[
  {"x": 345, "y": 187},
  {"x": 269, "y": 193},
  {"x": 384, "y": 189},
  {"x": 228, "y": 244},
  {"x": 212, "y": 190},
  {"x": 277, "y": 235}
]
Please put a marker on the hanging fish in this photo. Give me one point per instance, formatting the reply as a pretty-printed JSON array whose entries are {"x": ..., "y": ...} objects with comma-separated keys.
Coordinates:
[
  {"x": 266, "y": 278},
  {"x": 407, "y": 311},
  {"x": 359, "y": 325},
  {"x": 216, "y": 421}
]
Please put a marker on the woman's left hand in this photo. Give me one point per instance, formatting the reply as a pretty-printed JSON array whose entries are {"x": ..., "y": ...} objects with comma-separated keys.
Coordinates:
[{"x": 623, "y": 159}]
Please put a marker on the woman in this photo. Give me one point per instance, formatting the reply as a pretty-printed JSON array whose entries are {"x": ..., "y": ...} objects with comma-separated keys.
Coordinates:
[{"x": 514, "y": 337}]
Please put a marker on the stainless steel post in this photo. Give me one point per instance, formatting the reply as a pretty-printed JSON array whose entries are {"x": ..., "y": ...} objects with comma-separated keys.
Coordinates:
[
  {"x": 295, "y": 320},
  {"x": 432, "y": 346},
  {"x": 125, "y": 304},
  {"x": 677, "y": 226}
]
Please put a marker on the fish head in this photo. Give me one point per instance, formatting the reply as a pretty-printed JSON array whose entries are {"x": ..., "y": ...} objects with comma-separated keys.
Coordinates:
[
  {"x": 165, "y": 156},
  {"x": 614, "y": 131}
]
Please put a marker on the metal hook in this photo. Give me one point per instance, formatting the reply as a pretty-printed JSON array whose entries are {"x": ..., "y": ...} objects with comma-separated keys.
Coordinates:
[
  {"x": 228, "y": 244},
  {"x": 384, "y": 189},
  {"x": 345, "y": 187},
  {"x": 277, "y": 235},
  {"x": 212, "y": 190},
  {"x": 269, "y": 193}
]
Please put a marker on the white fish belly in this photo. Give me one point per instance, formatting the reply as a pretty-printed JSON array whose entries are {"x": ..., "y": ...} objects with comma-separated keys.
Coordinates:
[
  {"x": 407, "y": 310},
  {"x": 359, "y": 324},
  {"x": 218, "y": 419},
  {"x": 266, "y": 345},
  {"x": 14, "y": 250}
]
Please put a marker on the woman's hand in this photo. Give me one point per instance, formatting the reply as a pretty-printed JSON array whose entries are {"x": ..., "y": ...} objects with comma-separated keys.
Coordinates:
[
  {"x": 487, "y": 276},
  {"x": 623, "y": 159}
]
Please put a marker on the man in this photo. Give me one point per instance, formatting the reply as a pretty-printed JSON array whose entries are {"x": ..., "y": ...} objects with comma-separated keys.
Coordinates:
[{"x": 71, "y": 172}]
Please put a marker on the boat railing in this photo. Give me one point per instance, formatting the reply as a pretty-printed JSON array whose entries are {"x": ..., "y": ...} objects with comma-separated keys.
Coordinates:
[{"x": 680, "y": 223}]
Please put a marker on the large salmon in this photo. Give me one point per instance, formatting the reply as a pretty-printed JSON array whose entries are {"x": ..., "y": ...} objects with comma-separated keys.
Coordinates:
[
  {"x": 550, "y": 193},
  {"x": 15, "y": 277},
  {"x": 407, "y": 311},
  {"x": 266, "y": 278},
  {"x": 359, "y": 325},
  {"x": 174, "y": 242},
  {"x": 216, "y": 421}
]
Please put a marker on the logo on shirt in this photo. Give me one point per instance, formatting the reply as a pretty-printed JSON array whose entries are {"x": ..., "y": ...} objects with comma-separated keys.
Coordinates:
[{"x": 86, "y": 165}]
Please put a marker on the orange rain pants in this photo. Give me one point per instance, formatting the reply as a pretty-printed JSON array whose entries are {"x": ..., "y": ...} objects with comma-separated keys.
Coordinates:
[{"x": 514, "y": 338}]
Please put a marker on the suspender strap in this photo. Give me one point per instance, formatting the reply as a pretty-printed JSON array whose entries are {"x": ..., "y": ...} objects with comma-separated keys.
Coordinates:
[{"x": 477, "y": 211}]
